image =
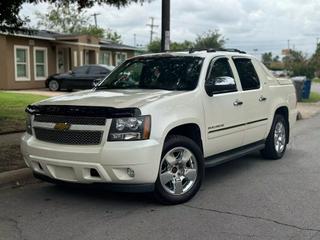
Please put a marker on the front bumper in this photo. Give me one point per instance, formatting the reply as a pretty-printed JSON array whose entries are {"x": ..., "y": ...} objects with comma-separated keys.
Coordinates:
[
  {"x": 117, "y": 187},
  {"x": 107, "y": 163}
]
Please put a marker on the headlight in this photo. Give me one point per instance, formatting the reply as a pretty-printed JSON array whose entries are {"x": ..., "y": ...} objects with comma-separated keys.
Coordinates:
[
  {"x": 130, "y": 129},
  {"x": 29, "y": 124}
]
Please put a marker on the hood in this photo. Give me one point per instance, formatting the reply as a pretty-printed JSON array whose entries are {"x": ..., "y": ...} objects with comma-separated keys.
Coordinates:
[{"x": 111, "y": 98}]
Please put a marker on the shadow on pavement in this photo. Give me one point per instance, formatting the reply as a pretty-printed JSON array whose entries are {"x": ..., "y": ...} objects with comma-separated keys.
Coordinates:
[{"x": 102, "y": 195}]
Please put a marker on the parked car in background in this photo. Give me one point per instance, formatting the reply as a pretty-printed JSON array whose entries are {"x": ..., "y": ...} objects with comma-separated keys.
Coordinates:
[{"x": 84, "y": 77}]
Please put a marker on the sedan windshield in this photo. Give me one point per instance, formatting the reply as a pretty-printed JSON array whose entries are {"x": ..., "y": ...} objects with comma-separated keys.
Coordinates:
[{"x": 169, "y": 73}]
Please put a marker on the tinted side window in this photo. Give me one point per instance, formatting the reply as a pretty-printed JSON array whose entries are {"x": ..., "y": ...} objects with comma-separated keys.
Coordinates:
[
  {"x": 220, "y": 77},
  {"x": 248, "y": 75},
  {"x": 81, "y": 70},
  {"x": 98, "y": 70}
]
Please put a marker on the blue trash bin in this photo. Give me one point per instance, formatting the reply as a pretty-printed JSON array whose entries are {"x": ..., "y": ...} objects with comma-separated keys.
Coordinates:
[
  {"x": 298, "y": 82},
  {"x": 306, "y": 89}
]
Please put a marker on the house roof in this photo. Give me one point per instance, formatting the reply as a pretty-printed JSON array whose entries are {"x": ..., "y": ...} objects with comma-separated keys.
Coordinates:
[
  {"x": 50, "y": 35},
  {"x": 33, "y": 33},
  {"x": 107, "y": 44}
]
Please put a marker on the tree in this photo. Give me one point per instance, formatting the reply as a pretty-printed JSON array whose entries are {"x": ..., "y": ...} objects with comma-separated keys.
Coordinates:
[
  {"x": 315, "y": 61},
  {"x": 93, "y": 31},
  {"x": 267, "y": 58},
  {"x": 298, "y": 64},
  {"x": 113, "y": 36},
  {"x": 176, "y": 46},
  {"x": 64, "y": 19},
  {"x": 69, "y": 19},
  {"x": 10, "y": 21},
  {"x": 210, "y": 39},
  {"x": 101, "y": 33},
  {"x": 276, "y": 59},
  {"x": 155, "y": 46}
]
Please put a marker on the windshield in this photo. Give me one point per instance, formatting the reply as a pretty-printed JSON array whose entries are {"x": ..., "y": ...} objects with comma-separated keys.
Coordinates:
[{"x": 169, "y": 73}]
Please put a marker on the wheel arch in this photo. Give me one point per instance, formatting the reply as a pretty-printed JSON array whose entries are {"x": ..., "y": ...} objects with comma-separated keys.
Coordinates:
[
  {"x": 191, "y": 130},
  {"x": 284, "y": 111}
]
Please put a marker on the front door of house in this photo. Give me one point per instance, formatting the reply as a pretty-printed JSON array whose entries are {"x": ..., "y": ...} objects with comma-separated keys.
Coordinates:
[{"x": 62, "y": 60}]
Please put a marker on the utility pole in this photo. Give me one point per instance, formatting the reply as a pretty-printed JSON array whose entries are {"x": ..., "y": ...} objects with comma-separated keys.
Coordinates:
[
  {"x": 165, "y": 26},
  {"x": 289, "y": 45},
  {"x": 152, "y": 27},
  {"x": 134, "y": 40},
  {"x": 95, "y": 18}
]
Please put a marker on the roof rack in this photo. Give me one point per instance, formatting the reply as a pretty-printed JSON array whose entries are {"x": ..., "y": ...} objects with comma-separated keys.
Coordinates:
[{"x": 192, "y": 50}]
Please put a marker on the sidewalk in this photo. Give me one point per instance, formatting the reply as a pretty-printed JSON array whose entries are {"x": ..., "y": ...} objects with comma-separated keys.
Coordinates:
[{"x": 308, "y": 110}]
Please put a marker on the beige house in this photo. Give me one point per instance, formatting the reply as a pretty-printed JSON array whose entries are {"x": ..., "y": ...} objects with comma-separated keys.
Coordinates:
[{"x": 28, "y": 58}]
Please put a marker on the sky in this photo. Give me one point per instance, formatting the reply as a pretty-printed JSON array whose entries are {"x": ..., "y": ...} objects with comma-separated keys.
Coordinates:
[{"x": 255, "y": 26}]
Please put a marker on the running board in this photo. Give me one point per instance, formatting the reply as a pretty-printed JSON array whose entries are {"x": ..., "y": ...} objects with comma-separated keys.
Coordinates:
[{"x": 233, "y": 154}]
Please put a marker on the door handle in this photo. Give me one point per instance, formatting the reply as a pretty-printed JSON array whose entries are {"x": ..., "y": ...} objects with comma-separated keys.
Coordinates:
[
  {"x": 237, "y": 103},
  {"x": 262, "y": 98}
]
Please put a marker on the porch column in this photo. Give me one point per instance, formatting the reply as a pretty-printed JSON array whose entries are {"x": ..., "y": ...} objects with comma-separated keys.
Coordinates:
[
  {"x": 97, "y": 57},
  {"x": 75, "y": 58}
]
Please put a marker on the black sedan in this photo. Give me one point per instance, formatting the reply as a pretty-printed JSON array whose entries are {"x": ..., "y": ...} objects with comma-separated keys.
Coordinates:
[{"x": 84, "y": 77}]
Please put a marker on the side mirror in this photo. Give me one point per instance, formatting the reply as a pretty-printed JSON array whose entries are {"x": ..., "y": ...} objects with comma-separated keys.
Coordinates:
[
  {"x": 218, "y": 85},
  {"x": 96, "y": 82}
]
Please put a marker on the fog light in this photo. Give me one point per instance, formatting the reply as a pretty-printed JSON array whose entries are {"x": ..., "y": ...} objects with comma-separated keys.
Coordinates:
[{"x": 130, "y": 172}]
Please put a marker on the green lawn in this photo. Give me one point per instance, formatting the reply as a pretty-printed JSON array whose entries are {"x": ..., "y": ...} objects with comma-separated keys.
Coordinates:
[
  {"x": 314, "y": 97},
  {"x": 317, "y": 80},
  {"x": 12, "y": 106}
]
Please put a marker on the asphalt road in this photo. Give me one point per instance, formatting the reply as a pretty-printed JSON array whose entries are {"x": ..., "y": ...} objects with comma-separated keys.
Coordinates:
[{"x": 248, "y": 198}]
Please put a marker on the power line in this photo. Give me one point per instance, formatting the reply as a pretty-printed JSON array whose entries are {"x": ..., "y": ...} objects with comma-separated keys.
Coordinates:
[{"x": 152, "y": 27}]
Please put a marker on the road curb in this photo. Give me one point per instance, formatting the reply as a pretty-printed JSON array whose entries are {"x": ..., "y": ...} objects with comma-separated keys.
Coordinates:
[
  {"x": 16, "y": 178},
  {"x": 12, "y": 132}
]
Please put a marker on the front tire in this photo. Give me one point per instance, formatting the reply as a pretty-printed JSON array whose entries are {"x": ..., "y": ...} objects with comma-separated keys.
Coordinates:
[
  {"x": 54, "y": 85},
  {"x": 181, "y": 170},
  {"x": 276, "y": 142}
]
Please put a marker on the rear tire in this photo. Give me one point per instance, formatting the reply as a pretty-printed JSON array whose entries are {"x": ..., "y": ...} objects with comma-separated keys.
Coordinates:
[
  {"x": 276, "y": 142},
  {"x": 181, "y": 170},
  {"x": 54, "y": 85}
]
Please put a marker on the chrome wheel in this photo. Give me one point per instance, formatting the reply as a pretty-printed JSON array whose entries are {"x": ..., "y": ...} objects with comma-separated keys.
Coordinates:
[
  {"x": 53, "y": 85},
  {"x": 279, "y": 137},
  {"x": 178, "y": 171}
]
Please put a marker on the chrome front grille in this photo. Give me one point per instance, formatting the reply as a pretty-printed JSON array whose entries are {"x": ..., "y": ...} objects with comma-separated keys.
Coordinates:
[{"x": 80, "y": 131}]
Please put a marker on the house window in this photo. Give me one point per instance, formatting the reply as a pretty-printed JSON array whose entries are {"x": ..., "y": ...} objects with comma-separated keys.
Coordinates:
[
  {"x": 22, "y": 63},
  {"x": 40, "y": 63},
  {"x": 104, "y": 58},
  {"x": 120, "y": 57}
]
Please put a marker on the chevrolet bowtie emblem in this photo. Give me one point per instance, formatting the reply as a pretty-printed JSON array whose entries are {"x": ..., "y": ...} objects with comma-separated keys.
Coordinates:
[{"x": 62, "y": 126}]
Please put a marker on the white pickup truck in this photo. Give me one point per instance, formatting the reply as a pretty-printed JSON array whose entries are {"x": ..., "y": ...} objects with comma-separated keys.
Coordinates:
[{"x": 158, "y": 120}]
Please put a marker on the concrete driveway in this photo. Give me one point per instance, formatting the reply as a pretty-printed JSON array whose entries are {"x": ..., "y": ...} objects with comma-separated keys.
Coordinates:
[{"x": 249, "y": 198}]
